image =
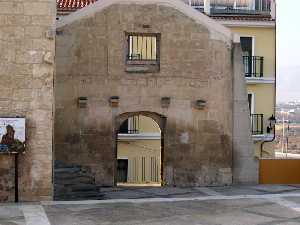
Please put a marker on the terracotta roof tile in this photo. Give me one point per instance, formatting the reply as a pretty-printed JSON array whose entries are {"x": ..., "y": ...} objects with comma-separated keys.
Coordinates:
[{"x": 72, "y": 5}]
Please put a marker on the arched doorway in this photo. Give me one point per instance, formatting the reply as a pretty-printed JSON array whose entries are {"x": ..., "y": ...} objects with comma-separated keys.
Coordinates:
[{"x": 139, "y": 151}]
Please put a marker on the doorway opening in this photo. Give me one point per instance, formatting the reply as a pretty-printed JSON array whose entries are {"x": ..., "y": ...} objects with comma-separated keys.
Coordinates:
[{"x": 139, "y": 152}]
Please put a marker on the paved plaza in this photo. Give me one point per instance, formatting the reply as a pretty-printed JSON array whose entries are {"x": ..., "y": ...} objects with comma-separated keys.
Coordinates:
[{"x": 246, "y": 205}]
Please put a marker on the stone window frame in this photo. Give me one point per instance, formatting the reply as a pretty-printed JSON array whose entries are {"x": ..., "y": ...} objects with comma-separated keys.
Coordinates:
[{"x": 142, "y": 66}]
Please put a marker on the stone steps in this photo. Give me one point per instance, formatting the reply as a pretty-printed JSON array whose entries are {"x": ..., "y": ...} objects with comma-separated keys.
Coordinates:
[
  {"x": 81, "y": 179},
  {"x": 74, "y": 182},
  {"x": 67, "y": 170},
  {"x": 76, "y": 187},
  {"x": 71, "y": 176},
  {"x": 80, "y": 196}
]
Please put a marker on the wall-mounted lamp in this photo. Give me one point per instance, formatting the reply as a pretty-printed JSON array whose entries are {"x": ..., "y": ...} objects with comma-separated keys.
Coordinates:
[
  {"x": 82, "y": 102},
  {"x": 200, "y": 104},
  {"x": 165, "y": 102},
  {"x": 272, "y": 123},
  {"x": 114, "y": 101}
]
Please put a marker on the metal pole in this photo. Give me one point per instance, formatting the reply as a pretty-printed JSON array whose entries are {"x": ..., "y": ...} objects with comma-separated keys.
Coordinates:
[
  {"x": 287, "y": 137},
  {"x": 282, "y": 140},
  {"x": 16, "y": 177}
]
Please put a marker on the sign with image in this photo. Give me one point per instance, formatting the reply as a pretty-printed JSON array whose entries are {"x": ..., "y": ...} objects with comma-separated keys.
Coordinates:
[{"x": 12, "y": 135}]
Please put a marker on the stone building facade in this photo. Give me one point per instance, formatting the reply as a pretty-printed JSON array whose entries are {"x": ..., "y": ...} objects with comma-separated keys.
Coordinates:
[
  {"x": 195, "y": 64},
  {"x": 205, "y": 128},
  {"x": 27, "y": 44}
]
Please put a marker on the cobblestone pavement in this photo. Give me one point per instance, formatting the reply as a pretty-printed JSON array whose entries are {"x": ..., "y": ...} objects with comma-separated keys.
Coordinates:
[{"x": 247, "y": 205}]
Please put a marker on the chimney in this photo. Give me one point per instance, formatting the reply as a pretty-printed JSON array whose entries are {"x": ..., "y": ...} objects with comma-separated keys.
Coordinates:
[{"x": 207, "y": 7}]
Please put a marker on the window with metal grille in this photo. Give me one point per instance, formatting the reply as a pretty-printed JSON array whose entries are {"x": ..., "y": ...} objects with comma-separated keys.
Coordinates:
[
  {"x": 143, "y": 48},
  {"x": 130, "y": 126},
  {"x": 262, "y": 5}
]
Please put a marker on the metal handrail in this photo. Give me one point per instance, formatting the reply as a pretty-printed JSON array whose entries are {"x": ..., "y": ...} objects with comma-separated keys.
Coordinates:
[
  {"x": 253, "y": 66},
  {"x": 257, "y": 124}
]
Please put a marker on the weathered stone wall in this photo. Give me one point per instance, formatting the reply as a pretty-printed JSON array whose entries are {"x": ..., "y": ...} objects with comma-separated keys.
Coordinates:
[
  {"x": 245, "y": 165},
  {"x": 7, "y": 173},
  {"x": 194, "y": 65},
  {"x": 26, "y": 89}
]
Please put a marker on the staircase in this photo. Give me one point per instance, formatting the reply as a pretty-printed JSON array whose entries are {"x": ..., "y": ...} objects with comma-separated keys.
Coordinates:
[{"x": 74, "y": 182}]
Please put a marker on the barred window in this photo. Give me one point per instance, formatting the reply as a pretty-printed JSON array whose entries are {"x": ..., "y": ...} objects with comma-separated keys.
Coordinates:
[{"x": 143, "y": 47}]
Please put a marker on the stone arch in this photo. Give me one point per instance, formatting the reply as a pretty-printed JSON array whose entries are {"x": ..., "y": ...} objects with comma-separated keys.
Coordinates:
[
  {"x": 161, "y": 121},
  {"x": 158, "y": 118}
]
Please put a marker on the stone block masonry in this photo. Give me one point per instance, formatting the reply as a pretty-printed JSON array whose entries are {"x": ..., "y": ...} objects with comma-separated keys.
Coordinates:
[
  {"x": 195, "y": 63},
  {"x": 27, "y": 49}
]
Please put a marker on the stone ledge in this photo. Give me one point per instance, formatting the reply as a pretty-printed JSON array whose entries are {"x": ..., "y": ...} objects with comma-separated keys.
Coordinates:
[{"x": 142, "y": 68}]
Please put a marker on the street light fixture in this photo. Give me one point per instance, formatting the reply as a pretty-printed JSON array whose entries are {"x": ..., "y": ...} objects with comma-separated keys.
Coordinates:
[{"x": 272, "y": 123}]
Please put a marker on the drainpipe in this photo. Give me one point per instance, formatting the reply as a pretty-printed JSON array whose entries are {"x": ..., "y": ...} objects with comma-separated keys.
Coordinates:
[
  {"x": 269, "y": 141},
  {"x": 207, "y": 7},
  {"x": 262, "y": 144}
]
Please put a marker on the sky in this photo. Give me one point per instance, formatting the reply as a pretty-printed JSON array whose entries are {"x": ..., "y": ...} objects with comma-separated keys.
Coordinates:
[{"x": 288, "y": 50}]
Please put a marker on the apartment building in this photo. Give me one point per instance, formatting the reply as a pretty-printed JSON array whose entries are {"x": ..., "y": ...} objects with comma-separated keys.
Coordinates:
[{"x": 255, "y": 22}]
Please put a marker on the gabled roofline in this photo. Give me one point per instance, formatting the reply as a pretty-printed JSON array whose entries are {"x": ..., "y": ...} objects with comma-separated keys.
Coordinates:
[{"x": 217, "y": 31}]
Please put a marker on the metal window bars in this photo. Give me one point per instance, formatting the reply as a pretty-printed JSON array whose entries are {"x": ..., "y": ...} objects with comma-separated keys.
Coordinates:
[{"x": 142, "y": 47}]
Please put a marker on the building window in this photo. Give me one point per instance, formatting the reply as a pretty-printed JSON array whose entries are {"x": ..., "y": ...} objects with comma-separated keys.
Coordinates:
[
  {"x": 247, "y": 46},
  {"x": 253, "y": 65},
  {"x": 251, "y": 102},
  {"x": 143, "y": 52},
  {"x": 130, "y": 126},
  {"x": 122, "y": 168},
  {"x": 134, "y": 125}
]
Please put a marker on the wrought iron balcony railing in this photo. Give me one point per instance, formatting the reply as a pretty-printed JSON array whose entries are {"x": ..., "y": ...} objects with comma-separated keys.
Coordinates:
[
  {"x": 250, "y": 7},
  {"x": 253, "y": 66},
  {"x": 257, "y": 124},
  {"x": 130, "y": 126}
]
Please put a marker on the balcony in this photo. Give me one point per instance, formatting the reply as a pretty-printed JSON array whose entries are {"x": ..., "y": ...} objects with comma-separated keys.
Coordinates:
[
  {"x": 245, "y": 7},
  {"x": 253, "y": 66},
  {"x": 130, "y": 126},
  {"x": 257, "y": 124},
  {"x": 234, "y": 7},
  {"x": 196, "y": 4}
]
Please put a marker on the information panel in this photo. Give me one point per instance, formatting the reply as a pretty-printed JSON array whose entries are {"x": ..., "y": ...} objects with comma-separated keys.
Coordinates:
[{"x": 12, "y": 135}]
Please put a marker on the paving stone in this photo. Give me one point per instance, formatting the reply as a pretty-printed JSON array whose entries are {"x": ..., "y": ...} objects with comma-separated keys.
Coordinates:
[
  {"x": 274, "y": 188},
  {"x": 11, "y": 215}
]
